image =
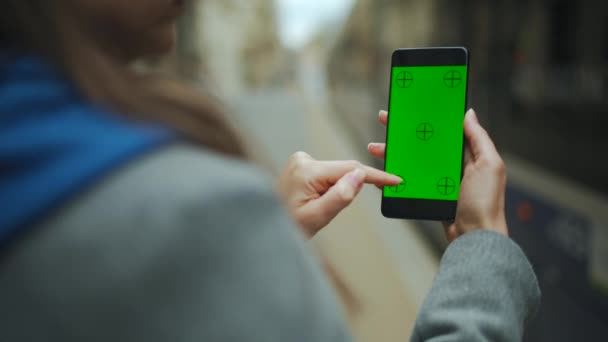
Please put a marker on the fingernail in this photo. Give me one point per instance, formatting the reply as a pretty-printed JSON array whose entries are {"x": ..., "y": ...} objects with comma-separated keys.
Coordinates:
[
  {"x": 382, "y": 112},
  {"x": 396, "y": 179},
  {"x": 473, "y": 114},
  {"x": 356, "y": 177}
]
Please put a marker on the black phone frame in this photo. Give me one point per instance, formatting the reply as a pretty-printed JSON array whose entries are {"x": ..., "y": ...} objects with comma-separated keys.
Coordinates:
[{"x": 423, "y": 209}]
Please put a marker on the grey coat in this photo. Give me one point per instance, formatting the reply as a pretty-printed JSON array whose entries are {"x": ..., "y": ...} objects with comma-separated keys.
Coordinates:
[{"x": 184, "y": 245}]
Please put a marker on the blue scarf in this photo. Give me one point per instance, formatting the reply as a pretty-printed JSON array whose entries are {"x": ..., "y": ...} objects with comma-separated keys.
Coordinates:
[{"x": 54, "y": 144}]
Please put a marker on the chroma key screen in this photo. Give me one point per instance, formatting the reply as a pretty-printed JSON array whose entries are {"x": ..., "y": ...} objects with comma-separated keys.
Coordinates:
[{"x": 425, "y": 131}]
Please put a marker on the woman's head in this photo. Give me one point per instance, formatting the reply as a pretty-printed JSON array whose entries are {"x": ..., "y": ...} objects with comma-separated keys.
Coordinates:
[
  {"x": 92, "y": 41},
  {"x": 125, "y": 29}
]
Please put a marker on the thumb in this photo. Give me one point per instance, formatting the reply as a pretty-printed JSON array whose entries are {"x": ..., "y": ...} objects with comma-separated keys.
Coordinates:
[
  {"x": 478, "y": 138},
  {"x": 338, "y": 197}
]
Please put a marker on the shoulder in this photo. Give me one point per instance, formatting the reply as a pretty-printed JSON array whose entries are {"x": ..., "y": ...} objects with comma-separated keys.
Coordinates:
[
  {"x": 183, "y": 244},
  {"x": 180, "y": 190},
  {"x": 170, "y": 191},
  {"x": 183, "y": 173}
]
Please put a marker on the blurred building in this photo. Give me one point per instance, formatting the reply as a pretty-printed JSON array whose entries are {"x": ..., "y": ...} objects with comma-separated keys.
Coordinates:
[
  {"x": 539, "y": 79},
  {"x": 232, "y": 46},
  {"x": 536, "y": 65},
  {"x": 359, "y": 63},
  {"x": 540, "y": 66}
]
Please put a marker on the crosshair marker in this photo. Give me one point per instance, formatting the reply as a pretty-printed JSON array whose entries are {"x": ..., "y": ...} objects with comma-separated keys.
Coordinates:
[
  {"x": 425, "y": 131},
  {"x": 399, "y": 188},
  {"x": 446, "y": 186},
  {"x": 404, "y": 79},
  {"x": 452, "y": 79}
]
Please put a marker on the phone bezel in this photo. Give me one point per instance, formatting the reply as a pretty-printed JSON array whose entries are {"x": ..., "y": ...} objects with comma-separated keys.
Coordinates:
[{"x": 422, "y": 209}]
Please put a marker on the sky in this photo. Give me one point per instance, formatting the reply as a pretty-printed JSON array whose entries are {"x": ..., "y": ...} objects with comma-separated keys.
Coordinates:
[{"x": 299, "y": 20}]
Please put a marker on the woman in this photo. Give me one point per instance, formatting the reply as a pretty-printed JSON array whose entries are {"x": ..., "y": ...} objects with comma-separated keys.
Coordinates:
[{"x": 130, "y": 213}]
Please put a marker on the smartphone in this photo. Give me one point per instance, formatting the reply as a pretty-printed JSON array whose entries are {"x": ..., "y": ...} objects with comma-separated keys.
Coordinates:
[{"x": 425, "y": 132}]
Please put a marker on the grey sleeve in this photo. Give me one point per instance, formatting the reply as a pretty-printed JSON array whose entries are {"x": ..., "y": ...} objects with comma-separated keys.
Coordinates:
[{"x": 485, "y": 290}]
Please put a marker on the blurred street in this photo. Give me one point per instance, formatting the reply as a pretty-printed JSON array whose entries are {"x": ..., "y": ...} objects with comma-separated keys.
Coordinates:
[
  {"x": 311, "y": 76},
  {"x": 92, "y": 91}
]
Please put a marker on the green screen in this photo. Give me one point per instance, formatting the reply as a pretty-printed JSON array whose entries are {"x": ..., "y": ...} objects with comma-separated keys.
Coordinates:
[{"x": 425, "y": 133}]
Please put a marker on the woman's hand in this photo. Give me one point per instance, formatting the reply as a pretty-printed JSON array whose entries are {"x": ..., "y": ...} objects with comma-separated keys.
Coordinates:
[
  {"x": 482, "y": 191},
  {"x": 316, "y": 191}
]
